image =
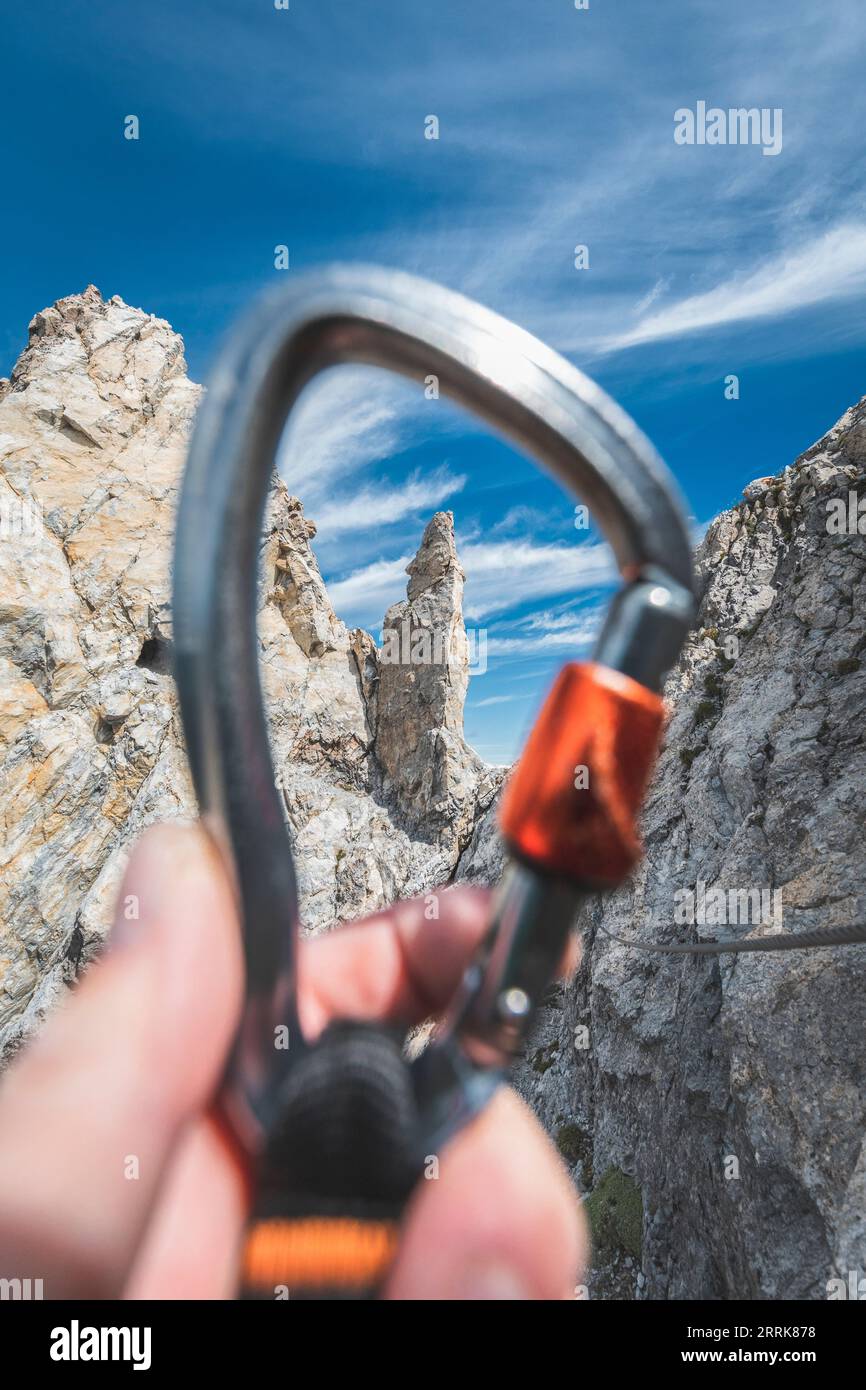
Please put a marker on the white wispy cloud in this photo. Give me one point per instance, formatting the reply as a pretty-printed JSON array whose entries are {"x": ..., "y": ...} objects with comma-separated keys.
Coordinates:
[
  {"x": 500, "y": 575},
  {"x": 504, "y": 574},
  {"x": 544, "y": 633},
  {"x": 562, "y": 619},
  {"x": 652, "y": 295},
  {"x": 521, "y": 518},
  {"x": 824, "y": 268},
  {"x": 363, "y": 596},
  {"x": 498, "y": 700},
  {"x": 574, "y": 643},
  {"x": 377, "y": 506},
  {"x": 345, "y": 420}
]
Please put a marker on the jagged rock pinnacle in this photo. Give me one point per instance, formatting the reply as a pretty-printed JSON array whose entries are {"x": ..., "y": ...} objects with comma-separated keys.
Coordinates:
[
  {"x": 436, "y": 558},
  {"x": 424, "y": 675}
]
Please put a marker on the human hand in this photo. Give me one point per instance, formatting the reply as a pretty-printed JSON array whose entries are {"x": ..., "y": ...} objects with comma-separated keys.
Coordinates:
[{"x": 115, "y": 1179}]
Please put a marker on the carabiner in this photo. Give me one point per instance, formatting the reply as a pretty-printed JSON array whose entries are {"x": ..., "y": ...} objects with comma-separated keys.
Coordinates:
[{"x": 340, "y": 1130}]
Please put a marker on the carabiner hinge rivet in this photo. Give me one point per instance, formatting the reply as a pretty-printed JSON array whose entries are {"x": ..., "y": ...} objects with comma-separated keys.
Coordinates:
[{"x": 514, "y": 1005}]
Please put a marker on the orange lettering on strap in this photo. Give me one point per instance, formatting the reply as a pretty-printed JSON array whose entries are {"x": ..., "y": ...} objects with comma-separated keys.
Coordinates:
[{"x": 318, "y": 1252}]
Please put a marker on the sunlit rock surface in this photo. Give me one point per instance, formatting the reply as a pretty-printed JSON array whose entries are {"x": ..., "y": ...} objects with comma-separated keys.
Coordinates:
[{"x": 93, "y": 431}]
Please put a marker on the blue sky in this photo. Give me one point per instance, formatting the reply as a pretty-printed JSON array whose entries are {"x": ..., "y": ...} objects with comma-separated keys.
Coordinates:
[{"x": 305, "y": 127}]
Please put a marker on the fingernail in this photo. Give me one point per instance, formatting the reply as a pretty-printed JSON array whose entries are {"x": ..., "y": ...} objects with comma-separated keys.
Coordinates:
[{"x": 492, "y": 1282}]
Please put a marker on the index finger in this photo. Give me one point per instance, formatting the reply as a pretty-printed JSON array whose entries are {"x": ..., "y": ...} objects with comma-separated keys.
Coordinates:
[{"x": 402, "y": 964}]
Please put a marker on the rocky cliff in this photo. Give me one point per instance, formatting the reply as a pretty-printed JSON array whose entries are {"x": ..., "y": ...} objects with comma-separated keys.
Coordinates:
[
  {"x": 380, "y": 789},
  {"x": 715, "y": 1108}
]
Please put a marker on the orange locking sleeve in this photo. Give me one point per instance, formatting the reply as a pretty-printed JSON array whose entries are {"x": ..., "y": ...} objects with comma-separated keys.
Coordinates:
[{"x": 571, "y": 804}]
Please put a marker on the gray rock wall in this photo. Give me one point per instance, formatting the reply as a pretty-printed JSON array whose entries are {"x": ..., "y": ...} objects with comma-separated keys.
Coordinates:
[{"x": 723, "y": 1100}]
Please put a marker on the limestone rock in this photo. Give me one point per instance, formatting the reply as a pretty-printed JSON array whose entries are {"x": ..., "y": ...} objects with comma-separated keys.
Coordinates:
[
  {"x": 94, "y": 423},
  {"x": 423, "y": 678},
  {"x": 298, "y": 589}
]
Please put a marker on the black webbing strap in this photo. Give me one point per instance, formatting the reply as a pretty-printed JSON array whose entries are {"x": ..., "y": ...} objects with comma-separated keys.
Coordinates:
[{"x": 339, "y": 1168}]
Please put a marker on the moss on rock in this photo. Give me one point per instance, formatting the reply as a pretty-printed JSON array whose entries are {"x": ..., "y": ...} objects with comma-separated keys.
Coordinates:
[
  {"x": 615, "y": 1211},
  {"x": 575, "y": 1145},
  {"x": 544, "y": 1058}
]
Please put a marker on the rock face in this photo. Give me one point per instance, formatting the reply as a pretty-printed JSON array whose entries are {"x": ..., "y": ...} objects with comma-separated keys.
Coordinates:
[
  {"x": 715, "y": 1108},
  {"x": 93, "y": 431}
]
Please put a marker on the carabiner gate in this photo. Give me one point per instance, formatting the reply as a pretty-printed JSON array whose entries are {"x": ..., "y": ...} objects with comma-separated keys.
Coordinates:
[{"x": 340, "y": 1130}]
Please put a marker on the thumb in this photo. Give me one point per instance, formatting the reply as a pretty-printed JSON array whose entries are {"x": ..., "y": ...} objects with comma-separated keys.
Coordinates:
[{"x": 94, "y": 1106}]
